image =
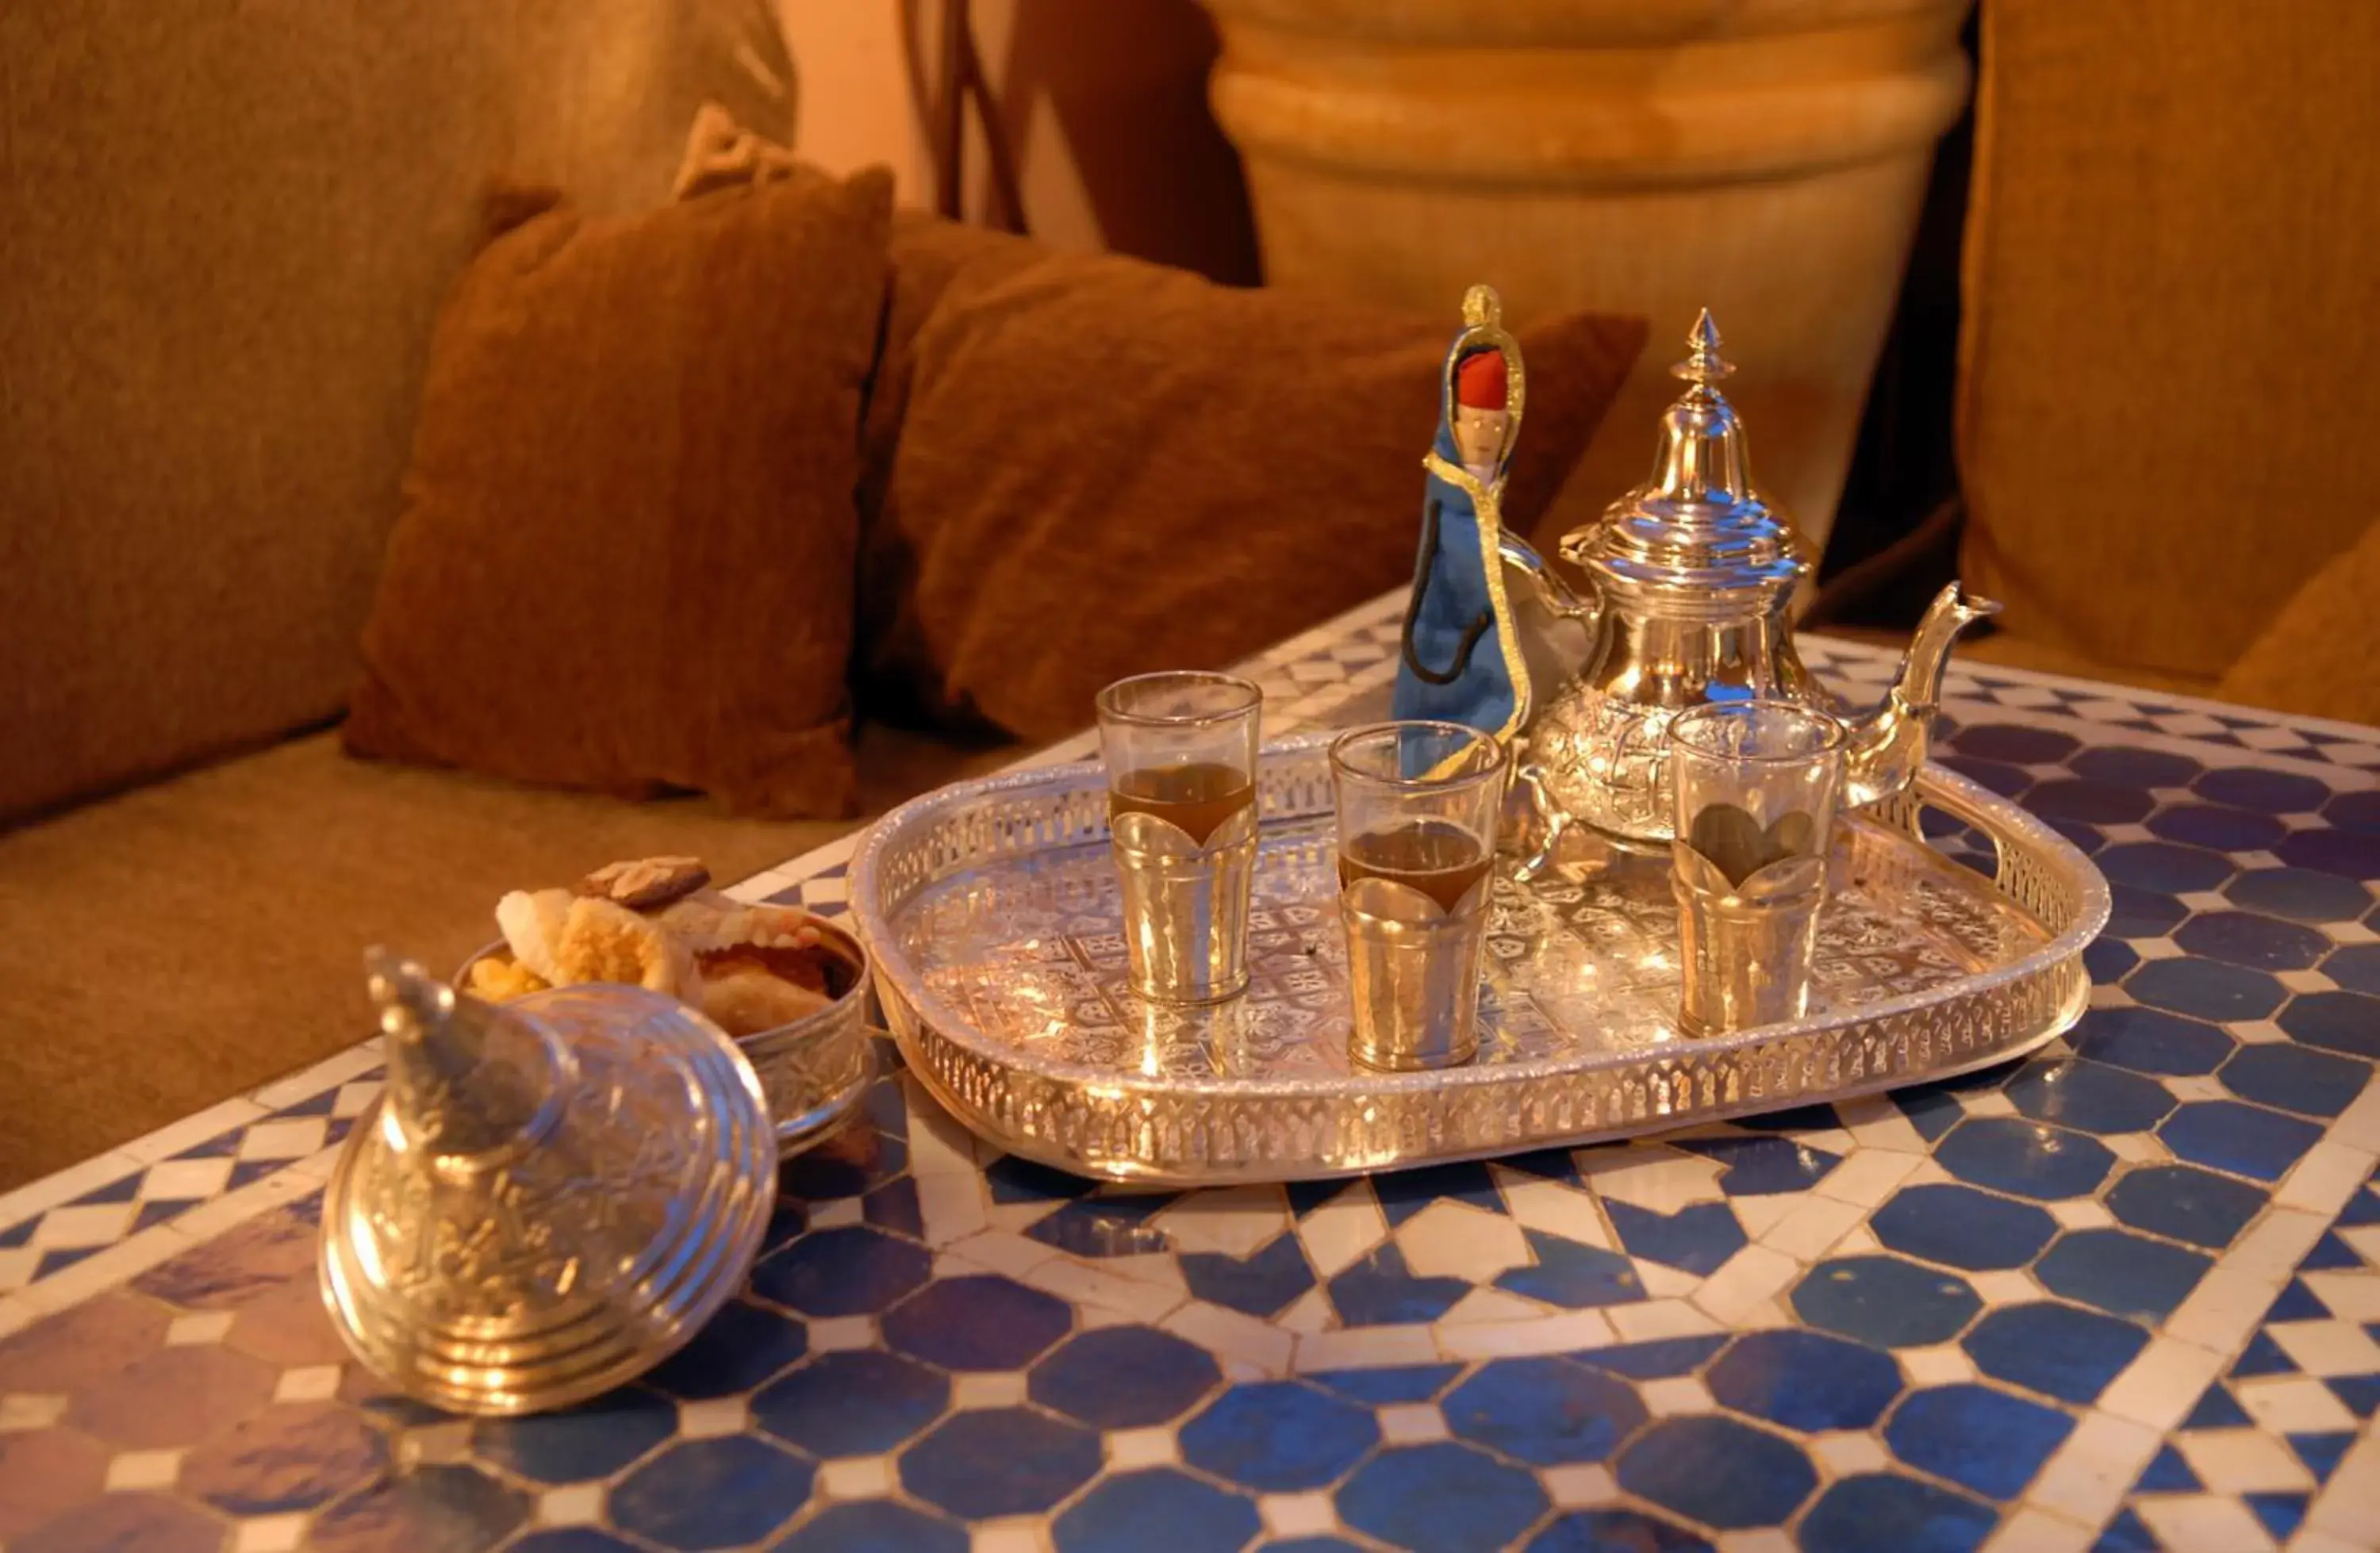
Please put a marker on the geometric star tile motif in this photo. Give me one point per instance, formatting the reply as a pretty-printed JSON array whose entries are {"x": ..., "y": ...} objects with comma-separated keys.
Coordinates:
[{"x": 2124, "y": 1294}]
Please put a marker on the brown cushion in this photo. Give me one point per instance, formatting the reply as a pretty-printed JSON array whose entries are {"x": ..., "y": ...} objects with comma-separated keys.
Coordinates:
[
  {"x": 2318, "y": 655},
  {"x": 1105, "y": 466},
  {"x": 626, "y": 558}
]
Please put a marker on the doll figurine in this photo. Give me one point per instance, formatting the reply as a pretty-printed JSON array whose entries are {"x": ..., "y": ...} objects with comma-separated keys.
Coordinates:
[{"x": 1461, "y": 662}]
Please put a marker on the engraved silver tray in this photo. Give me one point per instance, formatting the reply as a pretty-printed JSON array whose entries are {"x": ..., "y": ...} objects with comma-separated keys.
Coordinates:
[{"x": 991, "y": 910}]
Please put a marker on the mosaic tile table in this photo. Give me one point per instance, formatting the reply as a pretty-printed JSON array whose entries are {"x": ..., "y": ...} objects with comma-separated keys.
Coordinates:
[{"x": 2122, "y": 1295}]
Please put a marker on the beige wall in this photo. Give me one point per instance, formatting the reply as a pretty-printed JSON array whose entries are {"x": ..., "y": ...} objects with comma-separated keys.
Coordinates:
[{"x": 1104, "y": 105}]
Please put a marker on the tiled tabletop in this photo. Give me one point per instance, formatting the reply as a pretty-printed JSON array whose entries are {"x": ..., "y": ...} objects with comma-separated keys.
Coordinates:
[{"x": 2121, "y": 1296}]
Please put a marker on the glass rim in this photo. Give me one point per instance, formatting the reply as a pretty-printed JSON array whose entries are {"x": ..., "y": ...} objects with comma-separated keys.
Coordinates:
[
  {"x": 1110, "y": 711},
  {"x": 1826, "y": 722},
  {"x": 1471, "y": 737}
]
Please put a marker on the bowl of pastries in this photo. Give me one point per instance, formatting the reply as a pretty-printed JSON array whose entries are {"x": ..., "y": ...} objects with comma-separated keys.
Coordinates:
[{"x": 789, "y": 987}]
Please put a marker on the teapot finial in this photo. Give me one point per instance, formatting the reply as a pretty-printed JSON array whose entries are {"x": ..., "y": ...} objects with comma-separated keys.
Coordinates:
[{"x": 1703, "y": 366}]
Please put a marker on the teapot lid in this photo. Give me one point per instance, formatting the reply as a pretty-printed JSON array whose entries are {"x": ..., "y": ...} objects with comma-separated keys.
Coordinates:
[{"x": 1697, "y": 522}]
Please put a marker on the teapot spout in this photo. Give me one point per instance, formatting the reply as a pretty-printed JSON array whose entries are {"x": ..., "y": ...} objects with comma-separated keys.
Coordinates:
[
  {"x": 1888, "y": 745},
  {"x": 1545, "y": 586}
]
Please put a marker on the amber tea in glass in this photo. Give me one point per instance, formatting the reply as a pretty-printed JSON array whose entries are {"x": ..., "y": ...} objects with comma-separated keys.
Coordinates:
[
  {"x": 1197, "y": 796},
  {"x": 1436, "y": 856}
]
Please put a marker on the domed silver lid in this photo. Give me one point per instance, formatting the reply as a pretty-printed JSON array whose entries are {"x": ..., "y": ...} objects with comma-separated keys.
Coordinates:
[
  {"x": 548, "y": 1198},
  {"x": 1699, "y": 525}
]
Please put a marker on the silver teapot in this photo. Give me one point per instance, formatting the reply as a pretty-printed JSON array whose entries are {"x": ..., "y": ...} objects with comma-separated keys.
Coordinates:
[{"x": 1693, "y": 576}]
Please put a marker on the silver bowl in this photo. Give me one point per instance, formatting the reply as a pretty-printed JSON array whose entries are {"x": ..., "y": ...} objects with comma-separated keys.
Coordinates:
[{"x": 814, "y": 1070}]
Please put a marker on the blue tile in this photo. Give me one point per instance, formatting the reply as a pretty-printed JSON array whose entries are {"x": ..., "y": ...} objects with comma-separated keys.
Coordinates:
[
  {"x": 2301, "y": 895},
  {"x": 2259, "y": 787},
  {"x": 2331, "y": 1253},
  {"x": 1882, "y": 1513},
  {"x": 1805, "y": 1380},
  {"x": 2355, "y": 967},
  {"x": 2122, "y": 1273},
  {"x": 1655, "y": 1360},
  {"x": 2246, "y": 1140},
  {"x": 216, "y": 1147},
  {"x": 1278, "y": 1437},
  {"x": 1313, "y": 1544},
  {"x": 2297, "y": 1303},
  {"x": 1697, "y": 1237},
  {"x": 2362, "y": 1207},
  {"x": 1403, "y": 1383},
  {"x": 593, "y": 1439},
  {"x": 849, "y": 1164},
  {"x": 62, "y": 1258},
  {"x": 2343, "y": 853},
  {"x": 440, "y": 1506},
  {"x": 1130, "y": 1514},
  {"x": 738, "y": 1349},
  {"x": 1718, "y": 1471},
  {"x": 2015, "y": 743},
  {"x": 2355, "y": 811},
  {"x": 2163, "y": 867},
  {"x": 2151, "y": 1041},
  {"x": 712, "y": 1493},
  {"x": 1961, "y": 1227},
  {"x": 982, "y": 1323},
  {"x": 1123, "y": 1378},
  {"x": 2262, "y": 1356},
  {"x": 1931, "y": 1110},
  {"x": 2126, "y": 1534},
  {"x": 2347, "y": 1022},
  {"x": 1305, "y": 1197},
  {"x": 2132, "y": 766},
  {"x": 1441, "y": 1496},
  {"x": 2295, "y": 1078},
  {"x": 2321, "y": 1452},
  {"x": 283, "y": 1460},
  {"x": 2184, "y": 1203},
  {"x": 247, "y": 1170},
  {"x": 1544, "y": 1411},
  {"x": 2025, "y": 1159},
  {"x": 1792, "y": 1119},
  {"x": 2360, "y": 1393},
  {"x": 1406, "y": 1193},
  {"x": 851, "y": 1403},
  {"x": 1885, "y": 1301},
  {"x": 2109, "y": 960},
  {"x": 1106, "y": 1226},
  {"x": 1380, "y": 1290},
  {"x": 2057, "y": 1350},
  {"x": 17, "y": 1234},
  {"x": 149, "y": 1215},
  {"x": 1616, "y": 1531},
  {"x": 850, "y": 1270},
  {"x": 123, "y": 1189},
  {"x": 1261, "y": 1283},
  {"x": 874, "y": 1526},
  {"x": 2134, "y": 913},
  {"x": 894, "y": 1207},
  {"x": 575, "y": 1539},
  {"x": 2251, "y": 939},
  {"x": 1573, "y": 1275},
  {"x": 2279, "y": 1512},
  {"x": 1013, "y": 1180},
  {"x": 2093, "y": 803},
  {"x": 1763, "y": 1165},
  {"x": 2168, "y": 1473},
  {"x": 2217, "y": 1409},
  {"x": 1001, "y": 1460},
  {"x": 2206, "y": 990},
  {"x": 2086, "y": 839},
  {"x": 786, "y": 1223},
  {"x": 1981, "y": 1439},
  {"x": 2090, "y": 1097},
  {"x": 2009, "y": 782},
  {"x": 2216, "y": 827}
]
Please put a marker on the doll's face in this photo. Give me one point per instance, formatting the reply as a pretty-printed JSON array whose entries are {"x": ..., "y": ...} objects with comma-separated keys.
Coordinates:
[{"x": 1479, "y": 434}]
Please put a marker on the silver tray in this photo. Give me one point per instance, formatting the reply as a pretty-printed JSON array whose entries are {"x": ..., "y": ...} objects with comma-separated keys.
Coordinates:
[{"x": 990, "y": 911}]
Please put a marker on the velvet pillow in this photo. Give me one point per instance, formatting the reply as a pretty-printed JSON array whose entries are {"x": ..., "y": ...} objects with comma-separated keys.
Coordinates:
[
  {"x": 626, "y": 556},
  {"x": 1086, "y": 467}
]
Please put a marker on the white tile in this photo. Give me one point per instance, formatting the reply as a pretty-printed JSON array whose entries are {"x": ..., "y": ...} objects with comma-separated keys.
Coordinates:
[
  {"x": 1986, "y": 1102},
  {"x": 856, "y": 1477},
  {"x": 1849, "y": 1453},
  {"x": 2203, "y": 1523},
  {"x": 2325, "y": 1177},
  {"x": 999, "y": 1251},
  {"x": 1336, "y": 1235},
  {"x": 2204, "y": 899},
  {"x": 1360, "y": 1348},
  {"x": 1311, "y": 1311},
  {"x": 1659, "y": 1318},
  {"x": 2005, "y": 1286},
  {"x": 711, "y": 1417},
  {"x": 1751, "y": 1277},
  {"x": 1232, "y": 1220},
  {"x": 1003, "y": 1390},
  {"x": 1858, "y": 1241},
  {"x": 2081, "y": 1213},
  {"x": 1766, "y": 1539},
  {"x": 2365, "y": 1239},
  {"x": 950, "y": 1205},
  {"x": 1451, "y": 1238},
  {"x": 580, "y": 1504},
  {"x": 2277, "y": 1242},
  {"x": 292, "y": 1138},
  {"x": 2328, "y": 1348},
  {"x": 1764, "y": 1212},
  {"x": 1297, "y": 1515},
  {"x": 1867, "y": 1177},
  {"x": 2350, "y": 932},
  {"x": 1148, "y": 1267},
  {"x": 1938, "y": 1365},
  {"x": 192, "y": 1130},
  {"x": 2141, "y": 1149},
  {"x": 1070, "y": 1280},
  {"x": 143, "y": 1469},
  {"x": 2195, "y": 1086},
  {"x": 937, "y": 1145},
  {"x": 832, "y": 1333},
  {"x": 1490, "y": 1305},
  {"x": 2257, "y": 1032},
  {"x": 1006, "y": 1537},
  {"x": 2037, "y": 1530},
  {"x": 18, "y": 1265},
  {"x": 2359, "y": 1125},
  {"x": 24, "y": 1410},
  {"x": 1578, "y": 1487},
  {"x": 2292, "y": 1404},
  {"x": 70, "y": 1229},
  {"x": 432, "y": 1443},
  {"x": 1142, "y": 1448},
  {"x": 1877, "y": 1122},
  {"x": 206, "y": 1327},
  {"x": 269, "y": 1533},
  {"x": 2086, "y": 1478},
  {"x": 2241, "y": 1460},
  {"x": 307, "y": 1383},
  {"x": 1566, "y": 1333},
  {"x": 2349, "y": 1505},
  {"x": 2162, "y": 1383},
  {"x": 1664, "y": 1282},
  {"x": 177, "y": 1181},
  {"x": 2305, "y": 981},
  {"x": 1674, "y": 1395},
  {"x": 2227, "y": 1305},
  {"x": 836, "y": 1212},
  {"x": 1815, "y": 1226},
  {"x": 2310, "y": 1540},
  {"x": 1227, "y": 1332},
  {"x": 1655, "y": 1177},
  {"x": 1411, "y": 1423},
  {"x": 1555, "y": 1210},
  {"x": 2352, "y": 1296}
]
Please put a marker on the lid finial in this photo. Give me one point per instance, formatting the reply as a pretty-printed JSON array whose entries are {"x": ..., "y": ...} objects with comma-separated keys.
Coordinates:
[{"x": 1703, "y": 366}]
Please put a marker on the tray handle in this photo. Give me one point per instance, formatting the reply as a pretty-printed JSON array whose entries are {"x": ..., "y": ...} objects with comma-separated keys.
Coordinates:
[{"x": 1906, "y": 811}]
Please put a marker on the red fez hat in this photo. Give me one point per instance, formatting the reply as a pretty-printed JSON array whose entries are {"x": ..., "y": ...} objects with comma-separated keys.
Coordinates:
[{"x": 1479, "y": 381}]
